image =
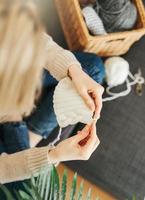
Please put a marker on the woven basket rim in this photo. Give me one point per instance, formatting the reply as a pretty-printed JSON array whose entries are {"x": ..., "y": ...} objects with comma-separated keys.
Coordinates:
[{"x": 141, "y": 12}]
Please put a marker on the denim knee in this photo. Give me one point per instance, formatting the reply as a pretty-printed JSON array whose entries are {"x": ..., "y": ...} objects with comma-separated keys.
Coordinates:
[
  {"x": 43, "y": 120},
  {"x": 15, "y": 137},
  {"x": 92, "y": 65},
  {"x": 48, "y": 80}
]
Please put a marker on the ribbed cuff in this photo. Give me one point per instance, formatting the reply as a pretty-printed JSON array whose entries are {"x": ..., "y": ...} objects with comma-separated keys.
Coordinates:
[
  {"x": 59, "y": 60},
  {"x": 64, "y": 59},
  {"x": 38, "y": 159}
]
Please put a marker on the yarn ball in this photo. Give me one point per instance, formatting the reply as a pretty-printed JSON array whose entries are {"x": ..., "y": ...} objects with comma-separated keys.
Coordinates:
[
  {"x": 93, "y": 21},
  {"x": 117, "y": 15},
  {"x": 111, "y": 5},
  {"x": 69, "y": 106},
  {"x": 117, "y": 70}
]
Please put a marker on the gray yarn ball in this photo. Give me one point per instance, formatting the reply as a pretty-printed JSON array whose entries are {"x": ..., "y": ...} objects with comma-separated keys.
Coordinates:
[
  {"x": 117, "y": 15},
  {"x": 112, "y": 5}
]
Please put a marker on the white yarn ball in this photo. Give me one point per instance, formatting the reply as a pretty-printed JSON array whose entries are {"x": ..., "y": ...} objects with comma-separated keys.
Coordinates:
[
  {"x": 69, "y": 106},
  {"x": 117, "y": 71}
]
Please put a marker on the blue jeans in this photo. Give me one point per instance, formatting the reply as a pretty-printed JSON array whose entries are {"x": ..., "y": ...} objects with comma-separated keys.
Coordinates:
[{"x": 14, "y": 136}]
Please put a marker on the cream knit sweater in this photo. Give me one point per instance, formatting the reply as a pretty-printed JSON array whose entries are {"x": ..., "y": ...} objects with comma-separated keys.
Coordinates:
[{"x": 22, "y": 165}]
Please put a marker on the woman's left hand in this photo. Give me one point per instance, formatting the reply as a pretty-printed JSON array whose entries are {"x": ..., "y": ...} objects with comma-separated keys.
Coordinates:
[{"x": 90, "y": 90}]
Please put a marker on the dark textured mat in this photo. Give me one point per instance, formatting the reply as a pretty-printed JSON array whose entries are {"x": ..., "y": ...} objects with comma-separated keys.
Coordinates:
[{"x": 118, "y": 165}]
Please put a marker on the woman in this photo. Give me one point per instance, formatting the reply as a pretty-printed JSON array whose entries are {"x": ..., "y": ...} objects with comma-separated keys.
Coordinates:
[{"x": 24, "y": 51}]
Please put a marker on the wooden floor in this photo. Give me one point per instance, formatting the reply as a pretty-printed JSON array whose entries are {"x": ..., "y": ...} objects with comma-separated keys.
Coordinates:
[{"x": 96, "y": 191}]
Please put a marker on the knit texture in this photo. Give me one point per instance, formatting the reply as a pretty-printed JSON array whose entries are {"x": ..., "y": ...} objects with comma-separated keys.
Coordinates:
[
  {"x": 59, "y": 60},
  {"x": 37, "y": 159},
  {"x": 22, "y": 165},
  {"x": 69, "y": 106},
  {"x": 93, "y": 21}
]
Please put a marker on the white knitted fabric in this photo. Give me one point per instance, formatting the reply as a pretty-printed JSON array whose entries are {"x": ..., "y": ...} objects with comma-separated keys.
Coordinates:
[
  {"x": 69, "y": 106},
  {"x": 93, "y": 21}
]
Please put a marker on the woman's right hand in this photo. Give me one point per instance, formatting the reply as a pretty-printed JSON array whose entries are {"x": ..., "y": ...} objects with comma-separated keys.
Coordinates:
[{"x": 78, "y": 147}]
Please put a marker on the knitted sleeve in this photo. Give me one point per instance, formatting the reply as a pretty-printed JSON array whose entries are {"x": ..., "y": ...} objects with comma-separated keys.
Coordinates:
[
  {"x": 58, "y": 59},
  {"x": 22, "y": 165}
]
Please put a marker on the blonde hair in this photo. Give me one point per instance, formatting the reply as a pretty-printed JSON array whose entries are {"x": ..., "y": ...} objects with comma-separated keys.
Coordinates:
[{"x": 21, "y": 57}]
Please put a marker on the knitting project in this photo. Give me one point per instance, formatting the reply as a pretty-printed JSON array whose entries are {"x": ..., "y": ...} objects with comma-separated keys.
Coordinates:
[
  {"x": 69, "y": 106},
  {"x": 93, "y": 21}
]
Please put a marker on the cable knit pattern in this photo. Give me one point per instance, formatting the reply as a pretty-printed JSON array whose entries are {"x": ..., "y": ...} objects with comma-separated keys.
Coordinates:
[
  {"x": 22, "y": 165},
  {"x": 69, "y": 106},
  {"x": 59, "y": 59}
]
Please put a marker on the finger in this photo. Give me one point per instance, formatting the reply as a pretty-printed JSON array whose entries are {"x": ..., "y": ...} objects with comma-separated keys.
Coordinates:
[
  {"x": 81, "y": 135},
  {"x": 92, "y": 143},
  {"x": 98, "y": 104},
  {"x": 95, "y": 119},
  {"x": 93, "y": 136},
  {"x": 93, "y": 127},
  {"x": 88, "y": 100},
  {"x": 97, "y": 95},
  {"x": 86, "y": 128},
  {"x": 96, "y": 145}
]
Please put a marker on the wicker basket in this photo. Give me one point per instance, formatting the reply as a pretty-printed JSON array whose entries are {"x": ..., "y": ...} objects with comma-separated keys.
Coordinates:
[{"x": 79, "y": 38}]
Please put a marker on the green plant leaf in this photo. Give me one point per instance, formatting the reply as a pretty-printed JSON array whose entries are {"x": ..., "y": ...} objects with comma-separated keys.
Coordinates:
[
  {"x": 63, "y": 186},
  {"x": 56, "y": 184},
  {"x": 73, "y": 188},
  {"x": 35, "y": 192},
  {"x": 19, "y": 197},
  {"x": 48, "y": 186},
  {"x": 24, "y": 195},
  {"x": 6, "y": 192},
  {"x": 51, "y": 186},
  {"x": 89, "y": 195},
  {"x": 29, "y": 189},
  {"x": 43, "y": 179},
  {"x": 80, "y": 193}
]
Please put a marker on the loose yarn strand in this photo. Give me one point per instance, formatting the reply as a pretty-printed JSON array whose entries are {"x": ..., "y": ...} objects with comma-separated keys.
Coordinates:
[
  {"x": 57, "y": 138},
  {"x": 137, "y": 79}
]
